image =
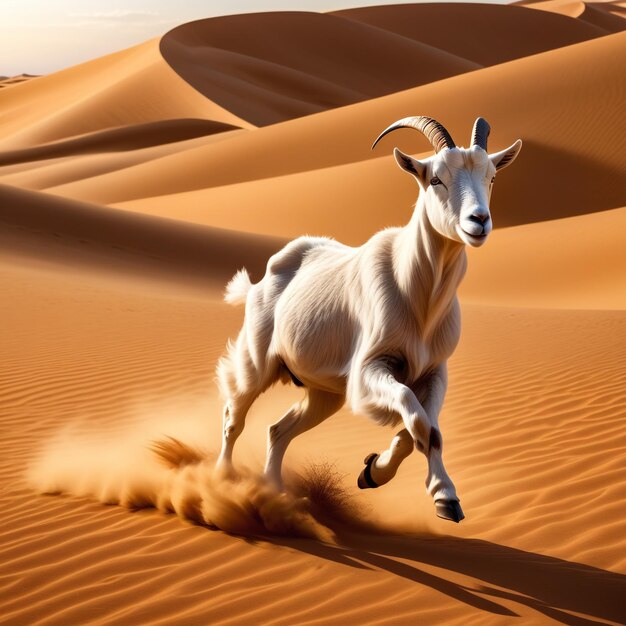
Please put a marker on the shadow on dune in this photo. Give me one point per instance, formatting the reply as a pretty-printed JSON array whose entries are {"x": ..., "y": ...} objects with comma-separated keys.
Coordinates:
[
  {"x": 316, "y": 62},
  {"x": 317, "y": 516},
  {"x": 310, "y": 66},
  {"x": 133, "y": 137},
  {"x": 551, "y": 586},
  {"x": 548, "y": 184},
  {"x": 596, "y": 14},
  {"x": 484, "y": 33},
  {"x": 82, "y": 234}
]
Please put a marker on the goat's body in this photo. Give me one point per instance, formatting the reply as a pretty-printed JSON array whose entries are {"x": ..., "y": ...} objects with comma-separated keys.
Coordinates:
[
  {"x": 315, "y": 344},
  {"x": 321, "y": 303},
  {"x": 372, "y": 325}
]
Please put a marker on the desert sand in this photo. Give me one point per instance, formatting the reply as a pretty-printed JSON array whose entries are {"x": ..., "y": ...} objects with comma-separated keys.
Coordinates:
[{"x": 134, "y": 185}]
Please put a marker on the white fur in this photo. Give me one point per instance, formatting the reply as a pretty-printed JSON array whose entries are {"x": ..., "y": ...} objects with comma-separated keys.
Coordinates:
[
  {"x": 238, "y": 288},
  {"x": 373, "y": 325}
]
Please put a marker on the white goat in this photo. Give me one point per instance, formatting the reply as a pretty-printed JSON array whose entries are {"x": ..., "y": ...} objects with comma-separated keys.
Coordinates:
[{"x": 375, "y": 324}]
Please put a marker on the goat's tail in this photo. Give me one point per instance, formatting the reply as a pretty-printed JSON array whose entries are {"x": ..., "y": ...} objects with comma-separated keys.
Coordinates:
[{"x": 238, "y": 288}]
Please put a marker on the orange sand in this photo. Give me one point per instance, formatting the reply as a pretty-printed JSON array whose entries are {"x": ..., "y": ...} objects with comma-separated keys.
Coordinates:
[{"x": 134, "y": 185}]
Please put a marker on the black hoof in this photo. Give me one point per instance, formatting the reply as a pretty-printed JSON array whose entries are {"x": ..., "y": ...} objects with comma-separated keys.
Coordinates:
[
  {"x": 449, "y": 509},
  {"x": 365, "y": 480}
]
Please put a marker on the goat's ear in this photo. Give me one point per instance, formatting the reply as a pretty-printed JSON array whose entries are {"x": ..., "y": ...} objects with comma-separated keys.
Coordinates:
[
  {"x": 506, "y": 157},
  {"x": 411, "y": 165}
]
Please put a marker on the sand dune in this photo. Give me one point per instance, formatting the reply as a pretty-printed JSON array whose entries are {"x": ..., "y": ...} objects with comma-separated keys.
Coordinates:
[
  {"x": 520, "y": 267},
  {"x": 616, "y": 8},
  {"x": 484, "y": 34},
  {"x": 133, "y": 186},
  {"x": 556, "y": 144},
  {"x": 229, "y": 61},
  {"x": 571, "y": 8},
  {"x": 611, "y": 21},
  {"x": 134, "y": 86},
  {"x": 9, "y": 81},
  {"x": 316, "y": 180},
  {"x": 300, "y": 146},
  {"x": 529, "y": 487},
  {"x": 132, "y": 137},
  {"x": 606, "y": 15},
  {"x": 284, "y": 84},
  {"x": 54, "y": 171},
  {"x": 58, "y": 230}
]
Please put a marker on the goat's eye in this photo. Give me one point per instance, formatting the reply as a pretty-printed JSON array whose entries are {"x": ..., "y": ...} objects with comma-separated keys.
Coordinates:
[
  {"x": 435, "y": 181},
  {"x": 493, "y": 180}
]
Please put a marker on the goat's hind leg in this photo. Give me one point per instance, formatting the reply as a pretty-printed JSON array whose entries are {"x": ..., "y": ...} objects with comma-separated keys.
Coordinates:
[
  {"x": 233, "y": 422},
  {"x": 241, "y": 383},
  {"x": 313, "y": 410}
]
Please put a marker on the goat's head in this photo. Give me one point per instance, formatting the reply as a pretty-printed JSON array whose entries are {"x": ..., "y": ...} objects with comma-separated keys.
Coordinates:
[{"x": 457, "y": 182}]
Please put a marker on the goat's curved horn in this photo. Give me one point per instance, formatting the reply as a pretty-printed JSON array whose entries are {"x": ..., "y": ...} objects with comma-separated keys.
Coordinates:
[
  {"x": 438, "y": 136},
  {"x": 480, "y": 133}
]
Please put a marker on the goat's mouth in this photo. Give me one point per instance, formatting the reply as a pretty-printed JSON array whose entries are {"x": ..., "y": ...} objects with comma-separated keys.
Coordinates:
[{"x": 474, "y": 240}]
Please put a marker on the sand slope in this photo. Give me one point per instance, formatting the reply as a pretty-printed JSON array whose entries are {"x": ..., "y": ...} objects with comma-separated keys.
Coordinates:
[
  {"x": 315, "y": 179},
  {"x": 147, "y": 245},
  {"x": 556, "y": 142},
  {"x": 520, "y": 266},
  {"x": 133, "y": 186},
  {"x": 124, "y": 363},
  {"x": 124, "y": 138},
  {"x": 128, "y": 87},
  {"x": 10, "y": 81},
  {"x": 609, "y": 17},
  {"x": 571, "y": 8},
  {"x": 113, "y": 155},
  {"x": 366, "y": 53},
  {"x": 228, "y": 59},
  {"x": 606, "y": 15},
  {"x": 485, "y": 34}
]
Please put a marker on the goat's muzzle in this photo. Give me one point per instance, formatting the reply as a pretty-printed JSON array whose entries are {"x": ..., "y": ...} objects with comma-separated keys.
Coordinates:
[{"x": 474, "y": 228}]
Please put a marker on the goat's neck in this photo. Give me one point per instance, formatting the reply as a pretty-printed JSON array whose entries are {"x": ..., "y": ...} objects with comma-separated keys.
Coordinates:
[{"x": 428, "y": 269}]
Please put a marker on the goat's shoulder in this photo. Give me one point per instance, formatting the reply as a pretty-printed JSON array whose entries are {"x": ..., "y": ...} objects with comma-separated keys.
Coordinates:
[
  {"x": 382, "y": 241},
  {"x": 376, "y": 254},
  {"x": 372, "y": 272},
  {"x": 446, "y": 333}
]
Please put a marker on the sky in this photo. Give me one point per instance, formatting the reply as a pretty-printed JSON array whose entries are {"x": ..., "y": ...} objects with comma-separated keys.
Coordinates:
[{"x": 43, "y": 36}]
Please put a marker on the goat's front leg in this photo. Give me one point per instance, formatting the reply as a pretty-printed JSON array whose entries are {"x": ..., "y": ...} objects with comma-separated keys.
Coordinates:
[
  {"x": 432, "y": 391},
  {"x": 374, "y": 390},
  {"x": 380, "y": 469}
]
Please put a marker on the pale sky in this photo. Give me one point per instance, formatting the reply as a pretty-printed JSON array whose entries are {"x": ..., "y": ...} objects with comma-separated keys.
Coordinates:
[{"x": 42, "y": 36}]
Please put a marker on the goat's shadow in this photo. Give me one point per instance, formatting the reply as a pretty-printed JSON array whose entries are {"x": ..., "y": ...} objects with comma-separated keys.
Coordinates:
[{"x": 551, "y": 586}]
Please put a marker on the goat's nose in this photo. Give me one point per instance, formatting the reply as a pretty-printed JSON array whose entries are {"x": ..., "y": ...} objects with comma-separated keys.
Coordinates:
[{"x": 479, "y": 216}]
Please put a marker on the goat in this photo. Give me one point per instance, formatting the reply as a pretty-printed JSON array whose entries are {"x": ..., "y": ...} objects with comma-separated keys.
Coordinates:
[{"x": 372, "y": 325}]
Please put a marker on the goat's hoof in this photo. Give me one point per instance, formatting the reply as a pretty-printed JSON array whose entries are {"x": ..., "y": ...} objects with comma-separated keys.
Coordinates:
[
  {"x": 365, "y": 480},
  {"x": 449, "y": 509}
]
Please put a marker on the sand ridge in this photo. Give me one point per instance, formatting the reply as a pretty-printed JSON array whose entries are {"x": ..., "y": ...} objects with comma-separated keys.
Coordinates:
[
  {"x": 40, "y": 226},
  {"x": 127, "y": 87},
  {"x": 485, "y": 34},
  {"x": 229, "y": 61},
  {"x": 606, "y": 15}
]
